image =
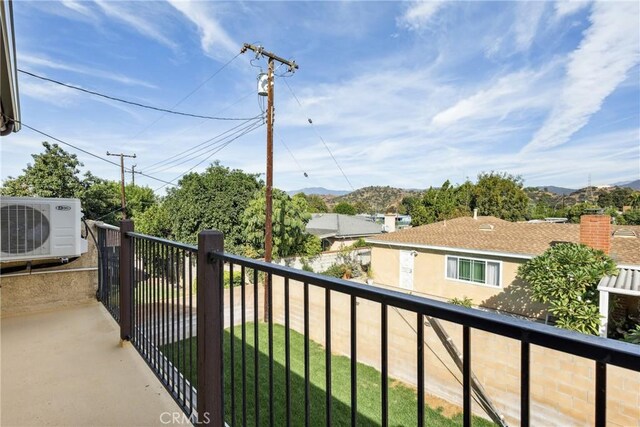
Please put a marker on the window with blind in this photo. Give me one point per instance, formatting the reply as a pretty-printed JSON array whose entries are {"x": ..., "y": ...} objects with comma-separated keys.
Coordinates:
[{"x": 473, "y": 270}]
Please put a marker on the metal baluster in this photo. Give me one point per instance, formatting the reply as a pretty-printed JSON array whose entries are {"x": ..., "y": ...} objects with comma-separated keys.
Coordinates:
[
  {"x": 420, "y": 359},
  {"x": 307, "y": 389},
  {"x": 384, "y": 359},
  {"x": 327, "y": 356},
  {"x": 244, "y": 345},
  {"x": 466, "y": 376},
  {"x": 232, "y": 346},
  {"x": 256, "y": 345},
  {"x": 270, "y": 321},
  {"x": 601, "y": 394},
  {"x": 287, "y": 352},
  {"x": 354, "y": 362},
  {"x": 524, "y": 383}
]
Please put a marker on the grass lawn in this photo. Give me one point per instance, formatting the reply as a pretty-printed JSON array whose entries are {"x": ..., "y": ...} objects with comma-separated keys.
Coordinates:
[{"x": 402, "y": 399}]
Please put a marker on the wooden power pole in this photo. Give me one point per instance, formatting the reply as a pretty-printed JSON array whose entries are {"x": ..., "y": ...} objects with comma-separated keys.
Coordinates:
[
  {"x": 133, "y": 174},
  {"x": 259, "y": 50},
  {"x": 123, "y": 200}
]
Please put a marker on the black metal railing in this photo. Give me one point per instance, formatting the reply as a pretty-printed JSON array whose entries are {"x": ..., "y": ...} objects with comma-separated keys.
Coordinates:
[
  {"x": 158, "y": 313},
  {"x": 163, "y": 312},
  {"x": 235, "y": 374},
  {"x": 108, "y": 268}
]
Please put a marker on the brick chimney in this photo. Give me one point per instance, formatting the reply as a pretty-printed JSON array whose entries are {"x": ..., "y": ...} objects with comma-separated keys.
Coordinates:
[{"x": 595, "y": 231}]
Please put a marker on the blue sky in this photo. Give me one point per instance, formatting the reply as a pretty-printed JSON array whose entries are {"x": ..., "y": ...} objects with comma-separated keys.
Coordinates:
[{"x": 405, "y": 94}]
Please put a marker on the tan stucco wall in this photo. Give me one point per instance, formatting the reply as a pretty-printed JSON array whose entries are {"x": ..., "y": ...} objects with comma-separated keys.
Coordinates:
[
  {"x": 57, "y": 288},
  {"x": 429, "y": 278},
  {"x": 562, "y": 385},
  {"x": 337, "y": 244}
]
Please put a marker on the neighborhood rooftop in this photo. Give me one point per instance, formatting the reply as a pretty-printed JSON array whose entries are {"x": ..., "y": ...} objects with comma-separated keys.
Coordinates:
[
  {"x": 326, "y": 225},
  {"x": 490, "y": 234}
]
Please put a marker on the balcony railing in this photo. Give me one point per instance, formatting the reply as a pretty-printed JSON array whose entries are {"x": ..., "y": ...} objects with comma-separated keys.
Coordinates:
[{"x": 169, "y": 293}]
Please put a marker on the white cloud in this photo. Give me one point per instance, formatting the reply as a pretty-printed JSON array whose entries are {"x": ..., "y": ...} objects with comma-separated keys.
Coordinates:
[
  {"x": 420, "y": 13},
  {"x": 35, "y": 61},
  {"x": 522, "y": 90},
  {"x": 139, "y": 17},
  {"x": 78, "y": 6},
  {"x": 609, "y": 49},
  {"x": 526, "y": 23},
  {"x": 213, "y": 37},
  {"x": 564, "y": 8},
  {"x": 47, "y": 92}
]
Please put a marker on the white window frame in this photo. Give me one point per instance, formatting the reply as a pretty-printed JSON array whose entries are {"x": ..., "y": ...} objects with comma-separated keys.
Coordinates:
[{"x": 470, "y": 282}]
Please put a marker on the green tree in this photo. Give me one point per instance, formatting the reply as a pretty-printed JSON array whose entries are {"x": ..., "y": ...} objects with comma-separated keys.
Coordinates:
[
  {"x": 102, "y": 200},
  {"x": 289, "y": 221},
  {"x": 312, "y": 245},
  {"x": 632, "y": 217},
  {"x": 154, "y": 221},
  {"x": 444, "y": 202},
  {"x": 566, "y": 277},
  {"x": 437, "y": 204},
  {"x": 139, "y": 199},
  {"x": 618, "y": 197},
  {"x": 315, "y": 203},
  {"x": 573, "y": 213},
  {"x": 361, "y": 207},
  {"x": 500, "y": 195},
  {"x": 344, "y": 208},
  {"x": 54, "y": 173},
  {"x": 214, "y": 199}
]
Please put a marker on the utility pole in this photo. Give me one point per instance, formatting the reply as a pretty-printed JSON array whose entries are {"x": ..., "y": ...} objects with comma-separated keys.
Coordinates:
[
  {"x": 133, "y": 174},
  {"x": 259, "y": 50},
  {"x": 122, "y": 196}
]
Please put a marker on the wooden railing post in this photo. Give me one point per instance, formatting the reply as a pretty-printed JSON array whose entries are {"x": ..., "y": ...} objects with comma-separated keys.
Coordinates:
[
  {"x": 210, "y": 325},
  {"x": 125, "y": 270}
]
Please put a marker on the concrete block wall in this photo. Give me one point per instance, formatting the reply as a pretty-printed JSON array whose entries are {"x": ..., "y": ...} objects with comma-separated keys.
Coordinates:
[
  {"x": 562, "y": 386},
  {"x": 323, "y": 261}
]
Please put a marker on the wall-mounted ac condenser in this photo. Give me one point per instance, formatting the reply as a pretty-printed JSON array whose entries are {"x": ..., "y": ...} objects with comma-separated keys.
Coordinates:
[{"x": 40, "y": 228}]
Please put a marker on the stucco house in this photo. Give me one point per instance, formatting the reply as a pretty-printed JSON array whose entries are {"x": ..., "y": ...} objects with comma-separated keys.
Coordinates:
[
  {"x": 479, "y": 257},
  {"x": 337, "y": 231}
]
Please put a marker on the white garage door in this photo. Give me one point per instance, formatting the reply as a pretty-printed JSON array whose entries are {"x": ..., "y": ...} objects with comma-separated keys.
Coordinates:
[{"x": 406, "y": 270}]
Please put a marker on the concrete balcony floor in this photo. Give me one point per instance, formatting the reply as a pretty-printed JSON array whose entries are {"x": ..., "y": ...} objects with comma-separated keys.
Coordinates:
[{"x": 67, "y": 368}]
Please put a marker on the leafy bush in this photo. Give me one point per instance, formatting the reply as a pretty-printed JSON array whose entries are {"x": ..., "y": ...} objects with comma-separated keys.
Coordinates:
[
  {"x": 360, "y": 243},
  {"x": 336, "y": 270},
  {"x": 633, "y": 336},
  {"x": 306, "y": 266},
  {"x": 566, "y": 277},
  {"x": 464, "y": 301}
]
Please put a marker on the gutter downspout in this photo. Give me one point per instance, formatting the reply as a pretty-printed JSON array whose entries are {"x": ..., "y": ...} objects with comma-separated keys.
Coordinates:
[{"x": 8, "y": 128}]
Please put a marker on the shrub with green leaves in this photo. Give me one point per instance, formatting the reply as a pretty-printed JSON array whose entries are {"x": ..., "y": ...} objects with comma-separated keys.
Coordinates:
[
  {"x": 336, "y": 270},
  {"x": 464, "y": 301},
  {"x": 633, "y": 336},
  {"x": 566, "y": 277}
]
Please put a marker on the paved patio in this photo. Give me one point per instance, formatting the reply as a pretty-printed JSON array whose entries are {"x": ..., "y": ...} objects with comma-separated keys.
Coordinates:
[{"x": 67, "y": 368}]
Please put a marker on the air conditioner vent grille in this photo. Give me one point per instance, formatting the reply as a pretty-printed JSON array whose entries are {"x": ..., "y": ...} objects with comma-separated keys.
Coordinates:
[{"x": 24, "y": 229}]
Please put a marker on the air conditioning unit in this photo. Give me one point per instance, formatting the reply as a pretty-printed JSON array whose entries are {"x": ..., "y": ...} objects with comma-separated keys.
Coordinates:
[{"x": 40, "y": 228}]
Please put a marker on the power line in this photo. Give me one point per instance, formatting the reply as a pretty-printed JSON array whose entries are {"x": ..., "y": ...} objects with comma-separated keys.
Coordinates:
[
  {"x": 184, "y": 98},
  {"x": 183, "y": 154},
  {"x": 251, "y": 129},
  {"x": 203, "y": 121},
  {"x": 205, "y": 149},
  {"x": 319, "y": 136},
  {"x": 87, "y": 152},
  {"x": 124, "y": 101},
  {"x": 293, "y": 157}
]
